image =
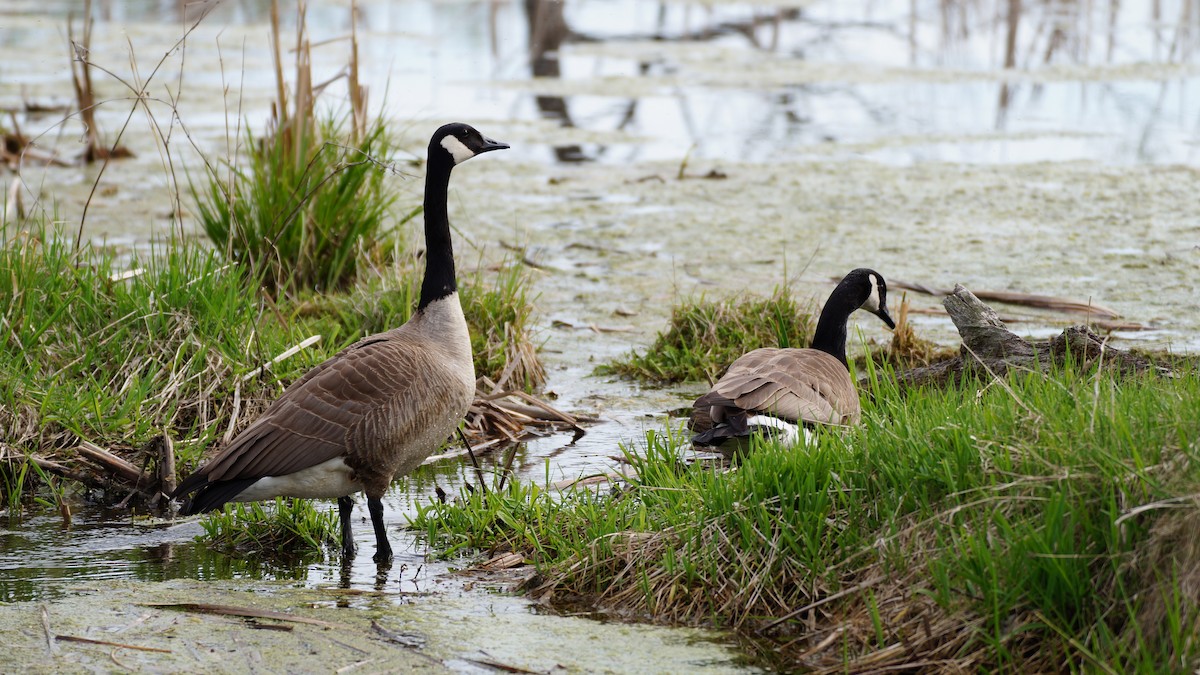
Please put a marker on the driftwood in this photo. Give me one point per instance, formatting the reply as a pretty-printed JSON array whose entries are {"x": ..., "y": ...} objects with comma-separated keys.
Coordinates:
[
  {"x": 989, "y": 348},
  {"x": 112, "y": 464},
  {"x": 1014, "y": 298},
  {"x": 985, "y": 339}
]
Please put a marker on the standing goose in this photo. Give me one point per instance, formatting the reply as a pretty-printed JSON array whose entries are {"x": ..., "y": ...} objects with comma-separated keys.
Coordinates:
[
  {"x": 780, "y": 389},
  {"x": 376, "y": 409}
]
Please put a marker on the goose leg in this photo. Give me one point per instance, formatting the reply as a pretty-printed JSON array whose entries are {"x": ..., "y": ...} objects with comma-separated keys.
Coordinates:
[
  {"x": 345, "y": 506},
  {"x": 383, "y": 549}
]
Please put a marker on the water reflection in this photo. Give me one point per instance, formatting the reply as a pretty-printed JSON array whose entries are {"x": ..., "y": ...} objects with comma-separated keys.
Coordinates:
[
  {"x": 730, "y": 80},
  {"x": 547, "y": 31},
  {"x": 926, "y": 80},
  {"x": 112, "y": 544}
]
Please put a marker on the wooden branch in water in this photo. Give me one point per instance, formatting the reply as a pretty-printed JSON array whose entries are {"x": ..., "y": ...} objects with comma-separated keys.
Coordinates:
[
  {"x": 106, "y": 643},
  {"x": 166, "y": 465},
  {"x": 45, "y": 616},
  {"x": 120, "y": 467},
  {"x": 249, "y": 612},
  {"x": 1014, "y": 298},
  {"x": 57, "y": 469}
]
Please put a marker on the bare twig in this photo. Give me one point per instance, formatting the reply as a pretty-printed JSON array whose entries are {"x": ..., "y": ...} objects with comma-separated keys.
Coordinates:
[
  {"x": 166, "y": 464},
  {"x": 474, "y": 461},
  {"x": 230, "y": 610},
  {"x": 122, "y": 645},
  {"x": 110, "y": 461},
  {"x": 45, "y": 616},
  {"x": 139, "y": 100}
]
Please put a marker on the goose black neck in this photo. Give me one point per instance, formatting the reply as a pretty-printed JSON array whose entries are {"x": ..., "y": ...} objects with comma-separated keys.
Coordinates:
[
  {"x": 439, "y": 252},
  {"x": 831, "y": 327}
]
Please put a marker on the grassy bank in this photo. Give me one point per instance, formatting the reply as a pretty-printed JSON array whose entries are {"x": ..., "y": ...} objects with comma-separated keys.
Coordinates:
[
  {"x": 119, "y": 350},
  {"x": 704, "y": 335},
  {"x": 1038, "y": 523}
]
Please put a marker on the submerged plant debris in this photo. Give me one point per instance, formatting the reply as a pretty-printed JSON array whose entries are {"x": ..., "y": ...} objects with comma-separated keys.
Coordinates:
[{"x": 224, "y": 626}]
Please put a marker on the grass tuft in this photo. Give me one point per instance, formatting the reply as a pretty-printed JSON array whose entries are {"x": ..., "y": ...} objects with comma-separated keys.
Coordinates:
[
  {"x": 119, "y": 349},
  {"x": 1036, "y": 523},
  {"x": 288, "y": 527},
  {"x": 312, "y": 200},
  {"x": 705, "y": 336},
  {"x": 300, "y": 215}
]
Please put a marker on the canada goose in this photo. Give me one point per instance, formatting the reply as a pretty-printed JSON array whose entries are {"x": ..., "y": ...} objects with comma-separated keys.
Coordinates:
[
  {"x": 780, "y": 389},
  {"x": 376, "y": 409}
]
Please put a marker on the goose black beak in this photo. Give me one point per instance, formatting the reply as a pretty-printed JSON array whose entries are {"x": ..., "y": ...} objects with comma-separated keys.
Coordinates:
[
  {"x": 887, "y": 318},
  {"x": 491, "y": 144}
]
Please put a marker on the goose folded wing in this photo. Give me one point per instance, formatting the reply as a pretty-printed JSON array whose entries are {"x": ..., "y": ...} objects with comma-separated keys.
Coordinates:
[
  {"x": 311, "y": 422},
  {"x": 798, "y": 385}
]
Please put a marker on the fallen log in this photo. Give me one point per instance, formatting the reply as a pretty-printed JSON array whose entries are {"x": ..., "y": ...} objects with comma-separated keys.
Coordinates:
[{"x": 990, "y": 349}]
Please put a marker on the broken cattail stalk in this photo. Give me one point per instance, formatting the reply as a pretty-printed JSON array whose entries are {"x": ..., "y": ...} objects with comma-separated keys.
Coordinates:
[
  {"x": 166, "y": 464},
  {"x": 106, "y": 643},
  {"x": 54, "y": 468},
  {"x": 127, "y": 274}
]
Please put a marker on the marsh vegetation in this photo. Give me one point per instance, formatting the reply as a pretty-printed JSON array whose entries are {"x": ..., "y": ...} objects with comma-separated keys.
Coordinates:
[
  {"x": 120, "y": 351},
  {"x": 1024, "y": 523},
  {"x": 1033, "y": 521}
]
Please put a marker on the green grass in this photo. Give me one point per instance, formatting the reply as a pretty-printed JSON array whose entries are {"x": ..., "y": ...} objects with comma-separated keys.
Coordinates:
[
  {"x": 984, "y": 526},
  {"x": 286, "y": 527},
  {"x": 705, "y": 336},
  {"x": 168, "y": 351},
  {"x": 119, "y": 362},
  {"x": 302, "y": 211}
]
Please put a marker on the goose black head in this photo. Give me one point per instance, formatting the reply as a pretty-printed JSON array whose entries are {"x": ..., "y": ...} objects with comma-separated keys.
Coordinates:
[
  {"x": 872, "y": 293},
  {"x": 461, "y": 142}
]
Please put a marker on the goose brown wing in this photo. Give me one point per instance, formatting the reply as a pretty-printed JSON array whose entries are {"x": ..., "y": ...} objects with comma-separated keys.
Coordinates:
[
  {"x": 312, "y": 422},
  {"x": 799, "y": 385}
]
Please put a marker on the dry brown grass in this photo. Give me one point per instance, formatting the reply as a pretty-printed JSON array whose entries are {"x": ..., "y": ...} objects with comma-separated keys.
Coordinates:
[
  {"x": 826, "y": 630},
  {"x": 906, "y": 350},
  {"x": 1168, "y": 572}
]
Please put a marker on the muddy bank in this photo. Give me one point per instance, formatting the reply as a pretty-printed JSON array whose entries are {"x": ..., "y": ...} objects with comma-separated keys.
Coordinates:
[{"x": 331, "y": 630}]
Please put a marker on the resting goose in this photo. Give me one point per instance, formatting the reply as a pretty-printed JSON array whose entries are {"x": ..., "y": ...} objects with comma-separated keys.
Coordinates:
[
  {"x": 375, "y": 410},
  {"x": 785, "y": 389}
]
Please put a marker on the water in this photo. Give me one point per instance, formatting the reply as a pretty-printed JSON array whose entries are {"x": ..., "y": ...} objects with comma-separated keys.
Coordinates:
[{"x": 838, "y": 134}]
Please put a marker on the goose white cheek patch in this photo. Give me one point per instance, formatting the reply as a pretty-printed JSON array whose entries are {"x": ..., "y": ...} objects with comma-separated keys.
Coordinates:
[
  {"x": 872, "y": 302},
  {"x": 457, "y": 150}
]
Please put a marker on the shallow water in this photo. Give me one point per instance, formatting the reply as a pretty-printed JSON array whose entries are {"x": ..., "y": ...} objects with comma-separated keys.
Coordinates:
[{"x": 833, "y": 135}]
